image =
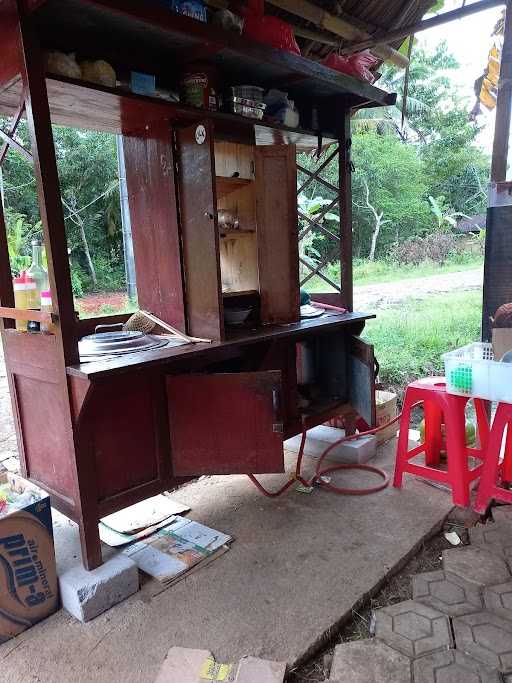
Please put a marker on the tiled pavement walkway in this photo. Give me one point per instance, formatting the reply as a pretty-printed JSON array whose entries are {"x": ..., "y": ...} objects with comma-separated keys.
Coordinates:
[{"x": 456, "y": 629}]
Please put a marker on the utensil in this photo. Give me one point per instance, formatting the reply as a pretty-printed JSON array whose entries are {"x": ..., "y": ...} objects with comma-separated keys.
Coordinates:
[
  {"x": 236, "y": 316},
  {"x": 141, "y": 321}
]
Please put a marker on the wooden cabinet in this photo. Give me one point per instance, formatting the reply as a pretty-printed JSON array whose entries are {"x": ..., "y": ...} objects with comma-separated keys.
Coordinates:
[{"x": 258, "y": 259}]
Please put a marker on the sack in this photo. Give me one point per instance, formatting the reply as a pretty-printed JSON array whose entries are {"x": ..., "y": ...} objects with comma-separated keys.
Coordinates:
[
  {"x": 357, "y": 65},
  {"x": 268, "y": 29}
]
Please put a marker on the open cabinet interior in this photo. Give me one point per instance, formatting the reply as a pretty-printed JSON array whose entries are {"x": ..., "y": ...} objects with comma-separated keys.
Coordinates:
[{"x": 239, "y": 232}]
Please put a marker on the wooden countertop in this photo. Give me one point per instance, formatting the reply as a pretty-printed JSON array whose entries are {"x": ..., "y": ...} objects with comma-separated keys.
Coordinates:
[{"x": 237, "y": 338}]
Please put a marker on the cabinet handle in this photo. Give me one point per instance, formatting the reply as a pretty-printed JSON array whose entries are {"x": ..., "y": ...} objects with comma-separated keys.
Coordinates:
[
  {"x": 208, "y": 214},
  {"x": 277, "y": 427}
]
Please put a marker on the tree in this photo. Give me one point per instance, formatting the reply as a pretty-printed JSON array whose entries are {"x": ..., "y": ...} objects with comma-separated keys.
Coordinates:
[
  {"x": 378, "y": 217},
  {"x": 87, "y": 165}
]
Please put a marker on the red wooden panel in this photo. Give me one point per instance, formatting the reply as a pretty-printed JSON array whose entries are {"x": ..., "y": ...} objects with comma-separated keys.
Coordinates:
[
  {"x": 278, "y": 250},
  {"x": 11, "y": 61},
  {"x": 47, "y": 446},
  {"x": 225, "y": 424},
  {"x": 198, "y": 213},
  {"x": 123, "y": 434},
  {"x": 152, "y": 198}
]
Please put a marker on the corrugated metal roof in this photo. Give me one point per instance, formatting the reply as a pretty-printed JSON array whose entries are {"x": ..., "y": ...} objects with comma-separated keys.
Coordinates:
[{"x": 374, "y": 16}]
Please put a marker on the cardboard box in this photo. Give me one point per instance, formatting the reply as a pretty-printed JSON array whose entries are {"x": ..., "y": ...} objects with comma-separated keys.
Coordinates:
[
  {"x": 28, "y": 576},
  {"x": 501, "y": 341}
]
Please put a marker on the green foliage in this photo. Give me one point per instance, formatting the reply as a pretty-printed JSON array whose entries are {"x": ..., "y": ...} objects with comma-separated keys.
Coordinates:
[
  {"x": 410, "y": 339},
  {"x": 20, "y": 233},
  {"x": 87, "y": 165}
]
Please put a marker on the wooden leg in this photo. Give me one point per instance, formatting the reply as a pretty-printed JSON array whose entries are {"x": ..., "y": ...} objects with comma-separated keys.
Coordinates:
[
  {"x": 349, "y": 422},
  {"x": 90, "y": 543}
]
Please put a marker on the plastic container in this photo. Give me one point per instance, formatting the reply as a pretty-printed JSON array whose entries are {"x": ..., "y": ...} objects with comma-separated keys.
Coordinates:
[
  {"x": 472, "y": 371},
  {"x": 26, "y": 296},
  {"x": 46, "y": 305},
  {"x": 199, "y": 87}
]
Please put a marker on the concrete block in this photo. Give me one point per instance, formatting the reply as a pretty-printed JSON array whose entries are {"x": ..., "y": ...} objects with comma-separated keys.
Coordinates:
[
  {"x": 476, "y": 565},
  {"x": 319, "y": 438},
  {"x": 369, "y": 661},
  {"x": 183, "y": 665},
  {"x": 447, "y": 592},
  {"x": 413, "y": 629},
  {"x": 253, "y": 670},
  {"x": 87, "y": 594},
  {"x": 486, "y": 637},
  {"x": 452, "y": 667}
]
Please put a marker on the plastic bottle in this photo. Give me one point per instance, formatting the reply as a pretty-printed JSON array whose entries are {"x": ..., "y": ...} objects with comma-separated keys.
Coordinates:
[
  {"x": 26, "y": 296},
  {"x": 36, "y": 270},
  {"x": 46, "y": 305}
]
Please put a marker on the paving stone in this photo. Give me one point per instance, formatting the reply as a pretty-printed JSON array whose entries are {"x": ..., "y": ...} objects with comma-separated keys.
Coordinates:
[
  {"x": 413, "y": 628},
  {"x": 495, "y": 537},
  {"x": 452, "y": 666},
  {"x": 447, "y": 593},
  {"x": 486, "y": 637},
  {"x": 369, "y": 661},
  {"x": 254, "y": 670},
  {"x": 502, "y": 513},
  {"x": 476, "y": 565},
  {"x": 498, "y": 599}
]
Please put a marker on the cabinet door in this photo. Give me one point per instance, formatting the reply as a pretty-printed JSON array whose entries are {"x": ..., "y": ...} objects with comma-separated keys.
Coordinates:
[
  {"x": 276, "y": 217},
  {"x": 200, "y": 236},
  {"x": 361, "y": 370},
  {"x": 225, "y": 423}
]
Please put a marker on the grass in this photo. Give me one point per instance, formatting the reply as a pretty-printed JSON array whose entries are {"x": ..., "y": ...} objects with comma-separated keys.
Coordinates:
[
  {"x": 409, "y": 339},
  {"x": 375, "y": 272}
]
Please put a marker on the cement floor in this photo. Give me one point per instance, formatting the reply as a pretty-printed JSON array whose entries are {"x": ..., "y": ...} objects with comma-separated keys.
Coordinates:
[{"x": 297, "y": 567}]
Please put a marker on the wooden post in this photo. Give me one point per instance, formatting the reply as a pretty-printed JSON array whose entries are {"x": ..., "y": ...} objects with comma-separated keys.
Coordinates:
[
  {"x": 503, "y": 105},
  {"x": 345, "y": 198},
  {"x": 48, "y": 188}
]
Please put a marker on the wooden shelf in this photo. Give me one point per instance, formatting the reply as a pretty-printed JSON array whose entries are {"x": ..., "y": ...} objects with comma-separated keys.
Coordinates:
[
  {"x": 81, "y": 104},
  {"x": 226, "y": 186},
  {"x": 162, "y": 37},
  {"x": 235, "y": 232}
]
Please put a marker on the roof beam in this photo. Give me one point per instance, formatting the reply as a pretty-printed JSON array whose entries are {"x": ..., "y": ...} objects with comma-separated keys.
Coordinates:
[
  {"x": 340, "y": 27},
  {"x": 401, "y": 33}
]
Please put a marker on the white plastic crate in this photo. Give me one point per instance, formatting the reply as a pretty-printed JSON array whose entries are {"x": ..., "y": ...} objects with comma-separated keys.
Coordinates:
[{"x": 472, "y": 371}]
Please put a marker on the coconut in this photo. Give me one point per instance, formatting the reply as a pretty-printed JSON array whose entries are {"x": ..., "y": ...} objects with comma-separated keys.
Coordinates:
[{"x": 503, "y": 316}]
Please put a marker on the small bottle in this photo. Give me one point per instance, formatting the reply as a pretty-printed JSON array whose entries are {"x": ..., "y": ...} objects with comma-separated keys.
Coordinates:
[
  {"x": 25, "y": 296},
  {"x": 36, "y": 270},
  {"x": 46, "y": 305}
]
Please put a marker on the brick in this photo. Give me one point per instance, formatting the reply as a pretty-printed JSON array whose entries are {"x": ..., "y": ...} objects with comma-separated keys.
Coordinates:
[
  {"x": 476, "y": 565},
  {"x": 452, "y": 666},
  {"x": 486, "y": 637},
  {"x": 447, "y": 593},
  {"x": 412, "y": 628},
  {"x": 369, "y": 661}
]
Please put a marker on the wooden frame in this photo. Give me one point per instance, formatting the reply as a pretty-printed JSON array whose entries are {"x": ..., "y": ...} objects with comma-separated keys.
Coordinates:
[{"x": 111, "y": 439}]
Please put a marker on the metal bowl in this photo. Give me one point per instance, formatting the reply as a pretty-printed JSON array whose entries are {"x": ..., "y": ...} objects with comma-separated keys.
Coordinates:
[{"x": 236, "y": 316}]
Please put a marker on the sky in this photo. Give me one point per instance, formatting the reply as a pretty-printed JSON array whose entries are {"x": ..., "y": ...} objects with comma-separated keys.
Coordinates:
[{"x": 469, "y": 40}]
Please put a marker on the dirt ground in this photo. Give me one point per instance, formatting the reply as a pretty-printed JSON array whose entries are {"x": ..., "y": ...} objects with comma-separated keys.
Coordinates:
[{"x": 384, "y": 294}]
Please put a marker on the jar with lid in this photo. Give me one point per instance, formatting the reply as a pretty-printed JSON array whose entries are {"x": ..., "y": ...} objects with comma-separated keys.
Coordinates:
[{"x": 200, "y": 87}]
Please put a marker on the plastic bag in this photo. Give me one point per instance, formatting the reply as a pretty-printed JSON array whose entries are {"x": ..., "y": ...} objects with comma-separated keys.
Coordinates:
[
  {"x": 99, "y": 72},
  {"x": 357, "y": 65},
  {"x": 268, "y": 29},
  {"x": 60, "y": 64}
]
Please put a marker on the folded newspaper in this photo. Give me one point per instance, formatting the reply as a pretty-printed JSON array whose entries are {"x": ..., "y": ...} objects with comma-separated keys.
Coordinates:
[{"x": 176, "y": 549}]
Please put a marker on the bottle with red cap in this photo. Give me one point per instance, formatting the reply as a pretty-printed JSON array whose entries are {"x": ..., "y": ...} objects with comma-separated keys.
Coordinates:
[{"x": 26, "y": 296}]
